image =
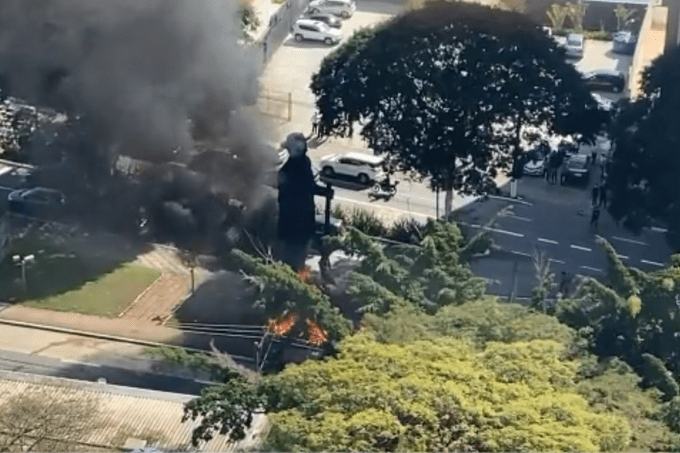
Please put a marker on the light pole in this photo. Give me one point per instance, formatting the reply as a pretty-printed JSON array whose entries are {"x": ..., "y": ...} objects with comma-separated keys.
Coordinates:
[{"x": 23, "y": 261}]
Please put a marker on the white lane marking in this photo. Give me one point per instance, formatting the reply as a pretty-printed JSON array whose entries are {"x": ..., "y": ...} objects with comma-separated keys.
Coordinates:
[
  {"x": 547, "y": 241},
  {"x": 628, "y": 240},
  {"x": 509, "y": 233},
  {"x": 201, "y": 381},
  {"x": 653, "y": 263},
  {"x": 623, "y": 257},
  {"x": 514, "y": 200},
  {"x": 5, "y": 170},
  {"x": 659, "y": 230},
  {"x": 578, "y": 247},
  {"x": 510, "y": 216},
  {"x": 76, "y": 362},
  {"x": 556, "y": 261},
  {"x": 495, "y": 230},
  {"x": 520, "y": 253},
  {"x": 373, "y": 205},
  {"x": 594, "y": 269}
]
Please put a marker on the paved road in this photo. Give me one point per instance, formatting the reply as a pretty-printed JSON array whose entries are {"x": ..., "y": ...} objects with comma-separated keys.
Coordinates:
[
  {"x": 92, "y": 371},
  {"x": 554, "y": 220}
]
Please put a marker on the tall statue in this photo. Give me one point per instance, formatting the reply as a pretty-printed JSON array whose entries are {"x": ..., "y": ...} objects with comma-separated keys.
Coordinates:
[{"x": 297, "y": 218}]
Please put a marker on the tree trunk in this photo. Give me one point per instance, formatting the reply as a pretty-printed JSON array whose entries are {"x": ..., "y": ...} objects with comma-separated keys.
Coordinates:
[{"x": 448, "y": 202}]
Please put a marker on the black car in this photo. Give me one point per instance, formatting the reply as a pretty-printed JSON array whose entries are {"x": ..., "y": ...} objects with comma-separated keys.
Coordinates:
[
  {"x": 605, "y": 80},
  {"x": 577, "y": 168},
  {"x": 328, "y": 19},
  {"x": 624, "y": 43},
  {"x": 37, "y": 202}
]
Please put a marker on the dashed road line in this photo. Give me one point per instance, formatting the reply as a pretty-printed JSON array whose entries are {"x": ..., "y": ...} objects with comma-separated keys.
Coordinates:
[
  {"x": 524, "y": 219},
  {"x": 556, "y": 261},
  {"x": 629, "y": 240},
  {"x": 514, "y": 200},
  {"x": 509, "y": 233},
  {"x": 653, "y": 263},
  {"x": 515, "y": 252},
  {"x": 547, "y": 241},
  {"x": 76, "y": 362},
  {"x": 578, "y": 247},
  {"x": 202, "y": 381},
  {"x": 623, "y": 257},
  {"x": 659, "y": 230},
  {"x": 594, "y": 269}
]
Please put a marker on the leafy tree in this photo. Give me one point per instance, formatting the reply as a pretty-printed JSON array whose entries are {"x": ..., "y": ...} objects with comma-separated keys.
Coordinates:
[
  {"x": 636, "y": 317},
  {"x": 557, "y": 13},
  {"x": 544, "y": 280},
  {"x": 623, "y": 16},
  {"x": 645, "y": 167},
  {"x": 519, "y": 6},
  {"x": 249, "y": 21},
  {"x": 428, "y": 275},
  {"x": 466, "y": 83},
  {"x": 441, "y": 395},
  {"x": 576, "y": 12}
]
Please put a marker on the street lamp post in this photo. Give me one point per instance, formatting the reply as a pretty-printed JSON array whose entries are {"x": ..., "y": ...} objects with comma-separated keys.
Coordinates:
[{"x": 23, "y": 261}]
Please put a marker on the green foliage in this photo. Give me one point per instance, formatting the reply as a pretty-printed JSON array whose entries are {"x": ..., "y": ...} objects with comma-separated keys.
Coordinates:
[
  {"x": 644, "y": 169},
  {"x": 636, "y": 318},
  {"x": 454, "y": 68},
  {"x": 624, "y": 16},
  {"x": 249, "y": 21},
  {"x": 438, "y": 395},
  {"x": 225, "y": 409},
  {"x": 278, "y": 288},
  {"x": 428, "y": 275},
  {"x": 576, "y": 12},
  {"x": 614, "y": 389}
]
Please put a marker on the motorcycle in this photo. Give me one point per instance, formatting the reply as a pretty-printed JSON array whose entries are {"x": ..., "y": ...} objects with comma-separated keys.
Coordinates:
[{"x": 383, "y": 190}]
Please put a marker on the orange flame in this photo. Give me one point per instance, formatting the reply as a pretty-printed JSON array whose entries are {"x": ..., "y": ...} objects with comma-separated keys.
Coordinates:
[
  {"x": 317, "y": 336},
  {"x": 283, "y": 325}
]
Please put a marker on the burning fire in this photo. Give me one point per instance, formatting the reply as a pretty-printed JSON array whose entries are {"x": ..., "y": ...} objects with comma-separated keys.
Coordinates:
[
  {"x": 283, "y": 325},
  {"x": 317, "y": 336}
]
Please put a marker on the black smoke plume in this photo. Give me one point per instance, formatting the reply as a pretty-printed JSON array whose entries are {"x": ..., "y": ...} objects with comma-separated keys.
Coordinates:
[{"x": 156, "y": 80}]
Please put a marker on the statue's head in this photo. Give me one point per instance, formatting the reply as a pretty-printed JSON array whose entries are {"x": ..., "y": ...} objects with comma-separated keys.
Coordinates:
[{"x": 296, "y": 144}]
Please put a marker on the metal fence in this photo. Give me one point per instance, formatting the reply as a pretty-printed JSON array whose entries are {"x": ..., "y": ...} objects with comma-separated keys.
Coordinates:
[{"x": 280, "y": 25}]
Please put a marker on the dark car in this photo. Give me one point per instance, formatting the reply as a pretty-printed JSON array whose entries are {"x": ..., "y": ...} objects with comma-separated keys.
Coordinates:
[
  {"x": 577, "y": 168},
  {"x": 605, "y": 80},
  {"x": 624, "y": 43},
  {"x": 37, "y": 202},
  {"x": 328, "y": 19}
]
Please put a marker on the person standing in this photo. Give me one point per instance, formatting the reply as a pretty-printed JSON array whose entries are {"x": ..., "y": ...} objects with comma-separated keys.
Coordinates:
[
  {"x": 316, "y": 120},
  {"x": 595, "y": 216},
  {"x": 603, "y": 196},
  {"x": 595, "y": 193}
]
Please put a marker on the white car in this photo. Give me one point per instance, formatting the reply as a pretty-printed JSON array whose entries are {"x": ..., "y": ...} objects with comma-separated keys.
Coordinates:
[
  {"x": 315, "y": 31},
  {"x": 364, "y": 167},
  {"x": 574, "y": 45},
  {"x": 342, "y": 8}
]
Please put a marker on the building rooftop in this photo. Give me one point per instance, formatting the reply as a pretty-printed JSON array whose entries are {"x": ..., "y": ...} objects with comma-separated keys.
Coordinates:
[{"x": 127, "y": 415}]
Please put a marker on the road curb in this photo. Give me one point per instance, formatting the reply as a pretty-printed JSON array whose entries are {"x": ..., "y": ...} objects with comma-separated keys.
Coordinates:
[{"x": 101, "y": 336}]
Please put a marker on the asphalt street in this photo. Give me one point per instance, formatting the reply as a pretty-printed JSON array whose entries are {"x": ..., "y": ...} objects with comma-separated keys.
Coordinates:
[{"x": 93, "y": 371}]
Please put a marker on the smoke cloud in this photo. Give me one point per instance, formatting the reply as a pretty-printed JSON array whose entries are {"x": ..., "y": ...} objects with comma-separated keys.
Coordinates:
[{"x": 151, "y": 78}]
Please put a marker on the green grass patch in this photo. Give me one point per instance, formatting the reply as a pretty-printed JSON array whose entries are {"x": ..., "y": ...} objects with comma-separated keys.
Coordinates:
[
  {"x": 106, "y": 296},
  {"x": 72, "y": 273}
]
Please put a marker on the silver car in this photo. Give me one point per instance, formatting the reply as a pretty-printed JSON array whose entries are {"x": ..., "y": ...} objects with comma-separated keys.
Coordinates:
[{"x": 574, "y": 45}]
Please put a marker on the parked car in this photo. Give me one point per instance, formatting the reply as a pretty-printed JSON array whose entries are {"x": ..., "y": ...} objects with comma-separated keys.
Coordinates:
[
  {"x": 624, "y": 43},
  {"x": 315, "y": 31},
  {"x": 577, "y": 168},
  {"x": 535, "y": 162},
  {"x": 364, "y": 167},
  {"x": 342, "y": 8},
  {"x": 606, "y": 80},
  {"x": 328, "y": 19},
  {"x": 37, "y": 202},
  {"x": 574, "y": 45}
]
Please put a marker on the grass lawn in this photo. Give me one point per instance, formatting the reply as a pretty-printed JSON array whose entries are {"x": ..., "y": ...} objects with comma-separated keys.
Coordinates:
[
  {"x": 72, "y": 274},
  {"x": 105, "y": 296}
]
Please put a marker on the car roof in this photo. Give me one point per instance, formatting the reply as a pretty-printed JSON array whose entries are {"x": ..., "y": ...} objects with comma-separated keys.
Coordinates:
[
  {"x": 365, "y": 157},
  {"x": 308, "y": 22},
  {"x": 575, "y": 36},
  {"x": 611, "y": 72}
]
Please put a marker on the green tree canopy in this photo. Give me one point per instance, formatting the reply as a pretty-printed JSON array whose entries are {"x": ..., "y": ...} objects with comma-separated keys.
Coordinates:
[
  {"x": 645, "y": 166},
  {"x": 437, "y": 396},
  {"x": 450, "y": 91}
]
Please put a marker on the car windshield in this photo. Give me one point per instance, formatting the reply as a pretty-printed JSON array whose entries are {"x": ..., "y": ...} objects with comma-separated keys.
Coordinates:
[{"x": 574, "y": 41}]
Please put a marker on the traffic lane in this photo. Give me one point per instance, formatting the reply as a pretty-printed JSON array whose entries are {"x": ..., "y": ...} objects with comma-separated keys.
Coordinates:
[
  {"x": 92, "y": 372},
  {"x": 506, "y": 274}
]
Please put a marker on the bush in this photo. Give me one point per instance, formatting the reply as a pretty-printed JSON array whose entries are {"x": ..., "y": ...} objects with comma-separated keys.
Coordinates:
[
  {"x": 600, "y": 35},
  {"x": 406, "y": 230},
  {"x": 364, "y": 221}
]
